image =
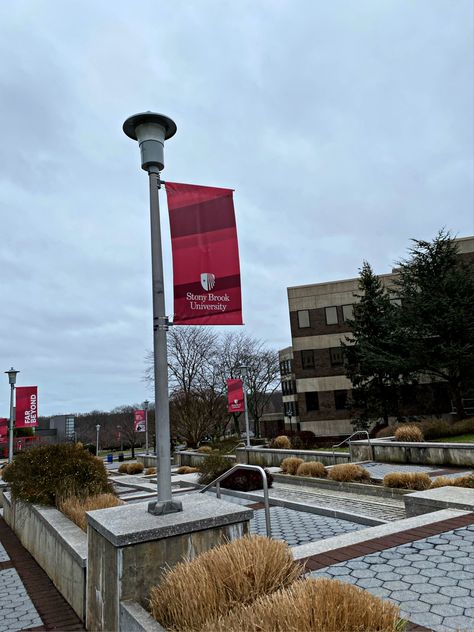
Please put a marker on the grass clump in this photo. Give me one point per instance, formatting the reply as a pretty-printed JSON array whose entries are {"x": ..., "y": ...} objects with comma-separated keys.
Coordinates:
[
  {"x": 75, "y": 508},
  {"x": 312, "y": 468},
  {"x": 135, "y": 468},
  {"x": 123, "y": 468},
  {"x": 213, "y": 466},
  {"x": 150, "y": 471},
  {"x": 407, "y": 480},
  {"x": 281, "y": 443},
  {"x": 204, "y": 449},
  {"x": 48, "y": 474},
  {"x": 186, "y": 469},
  {"x": 442, "y": 481},
  {"x": 409, "y": 433},
  {"x": 291, "y": 464},
  {"x": 313, "y": 604},
  {"x": 195, "y": 593},
  {"x": 349, "y": 472}
]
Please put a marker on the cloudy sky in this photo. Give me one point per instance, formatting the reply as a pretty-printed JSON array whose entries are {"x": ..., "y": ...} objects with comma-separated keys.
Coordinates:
[{"x": 345, "y": 127}]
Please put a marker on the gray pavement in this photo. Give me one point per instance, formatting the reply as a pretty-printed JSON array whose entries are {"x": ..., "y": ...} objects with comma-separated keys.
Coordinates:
[
  {"x": 16, "y": 608},
  {"x": 378, "y": 470}
]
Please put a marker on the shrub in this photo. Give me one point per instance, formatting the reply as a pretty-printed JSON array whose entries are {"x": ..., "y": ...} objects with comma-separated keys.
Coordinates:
[
  {"x": 464, "y": 481},
  {"x": 75, "y": 508},
  {"x": 205, "y": 449},
  {"x": 281, "y": 443},
  {"x": 307, "y": 439},
  {"x": 408, "y": 433},
  {"x": 48, "y": 474},
  {"x": 123, "y": 468},
  {"x": 312, "y": 604},
  {"x": 291, "y": 464},
  {"x": 135, "y": 468},
  {"x": 150, "y": 471},
  {"x": 185, "y": 469},
  {"x": 346, "y": 472},
  {"x": 246, "y": 480},
  {"x": 215, "y": 581},
  {"x": 213, "y": 466},
  {"x": 442, "y": 481},
  {"x": 312, "y": 468},
  {"x": 407, "y": 480}
]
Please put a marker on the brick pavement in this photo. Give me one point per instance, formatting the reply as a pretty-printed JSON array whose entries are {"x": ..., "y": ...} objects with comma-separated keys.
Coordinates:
[{"x": 33, "y": 602}]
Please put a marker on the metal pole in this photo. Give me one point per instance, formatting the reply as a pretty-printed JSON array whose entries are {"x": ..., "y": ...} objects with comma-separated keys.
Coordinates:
[
  {"x": 97, "y": 440},
  {"x": 10, "y": 430},
  {"x": 244, "y": 385},
  {"x": 164, "y": 503},
  {"x": 146, "y": 427}
]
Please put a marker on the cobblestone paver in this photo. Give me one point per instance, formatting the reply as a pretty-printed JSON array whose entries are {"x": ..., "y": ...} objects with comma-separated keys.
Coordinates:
[
  {"x": 300, "y": 527},
  {"x": 378, "y": 470},
  {"x": 17, "y": 611},
  {"x": 3, "y": 554},
  {"x": 431, "y": 579}
]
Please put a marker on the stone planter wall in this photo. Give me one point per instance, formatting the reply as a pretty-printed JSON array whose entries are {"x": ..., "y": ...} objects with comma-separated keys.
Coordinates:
[
  {"x": 421, "y": 453},
  {"x": 194, "y": 459},
  {"x": 56, "y": 543},
  {"x": 269, "y": 457}
]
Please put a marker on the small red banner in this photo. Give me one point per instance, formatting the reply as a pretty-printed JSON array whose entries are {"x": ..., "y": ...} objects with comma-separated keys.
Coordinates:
[
  {"x": 26, "y": 406},
  {"x": 235, "y": 396},
  {"x": 206, "y": 267},
  {"x": 3, "y": 428},
  {"x": 139, "y": 421}
]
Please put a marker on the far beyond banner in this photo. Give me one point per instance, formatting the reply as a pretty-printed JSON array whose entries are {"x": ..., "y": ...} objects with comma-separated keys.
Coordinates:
[
  {"x": 139, "y": 421},
  {"x": 26, "y": 406},
  {"x": 206, "y": 267},
  {"x": 235, "y": 396}
]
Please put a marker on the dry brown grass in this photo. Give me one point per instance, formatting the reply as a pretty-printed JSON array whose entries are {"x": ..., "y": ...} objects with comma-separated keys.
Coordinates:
[
  {"x": 205, "y": 449},
  {"x": 135, "y": 468},
  {"x": 123, "y": 468},
  {"x": 347, "y": 472},
  {"x": 291, "y": 464},
  {"x": 75, "y": 508},
  {"x": 442, "y": 481},
  {"x": 193, "y": 593},
  {"x": 281, "y": 443},
  {"x": 150, "y": 470},
  {"x": 312, "y": 468},
  {"x": 186, "y": 469},
  {"x": 464, "y": 481},
  {"x": 327, "y": 605},
  {"x": 407, "y": 480},
  {"x": 409, "y": 433}
]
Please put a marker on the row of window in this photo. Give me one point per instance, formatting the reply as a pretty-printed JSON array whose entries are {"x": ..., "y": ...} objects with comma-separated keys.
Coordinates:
[
  {"x": 331, "y": 313},
  {"x": 312, "y": 400},
  {"x": 336, "y": 357},
  {"x": 286, "y": 367},
  {"x": 288, "y": 387},
  {"x": 290, "y": 409}
]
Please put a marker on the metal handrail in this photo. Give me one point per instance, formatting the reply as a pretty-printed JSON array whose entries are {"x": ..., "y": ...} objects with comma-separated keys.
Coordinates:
[
  {"x": 256, "y": 468},
  {"x": 338, "y": 445},
  {"x": 241, "y": 444}
]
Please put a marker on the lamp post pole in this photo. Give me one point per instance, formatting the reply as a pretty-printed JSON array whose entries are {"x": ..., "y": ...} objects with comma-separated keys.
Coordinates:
[
  {"x": 12, "y": 379},
  {"x": 97, "y": 440},
  {"x": 145, "y": 406},
  {"x": 151, "y": 130},
  {"x": 243, "y": 372}
]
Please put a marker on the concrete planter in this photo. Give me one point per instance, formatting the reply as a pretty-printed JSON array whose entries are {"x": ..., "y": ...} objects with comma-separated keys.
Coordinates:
[
  {"x": 354, "y": 488},
  {"x": 194, "y": 459},
  {"x": 270, "y": 457},
  {"x": 57, "y": 544},
  {"x": 134, "y": 618},
  {"x": 421, "y": 453}
]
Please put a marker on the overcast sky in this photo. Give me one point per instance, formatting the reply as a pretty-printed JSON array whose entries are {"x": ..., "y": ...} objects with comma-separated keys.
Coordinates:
[{"x": 345, "y": 127}]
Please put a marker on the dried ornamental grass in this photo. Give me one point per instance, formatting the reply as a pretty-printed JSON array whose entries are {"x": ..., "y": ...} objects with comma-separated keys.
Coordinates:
[
  {"x": 186, "y": 469},
  {"x": 327, "y": 605},
  {"x": 464, "y": 481},
  {"x": 408, "y": 433},
  {"x": 75, "y": 508},
  {"x": 407, "y": 480},
  {"x": 291, "y": 464},
  {"x": 193, "y": 593},
  {"x": 312, "y": 468},
  {"x": 281, "y": 443},
  {"x": 443, "y": 481},
  {"x": 347, "y": 472},
  {"x": 135, "y": 468},
  {"x": 205, "y": 449},
  {"x": 150, "y": 471},
  {"x": 123, "y": 468}
]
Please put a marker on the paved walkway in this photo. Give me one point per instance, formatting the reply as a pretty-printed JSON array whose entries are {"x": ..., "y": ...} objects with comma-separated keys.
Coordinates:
[{"x": 28, "y": 598}]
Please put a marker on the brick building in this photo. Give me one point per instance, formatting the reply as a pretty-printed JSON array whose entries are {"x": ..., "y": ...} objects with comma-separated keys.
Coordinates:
[{"x": 315, "y": 388}]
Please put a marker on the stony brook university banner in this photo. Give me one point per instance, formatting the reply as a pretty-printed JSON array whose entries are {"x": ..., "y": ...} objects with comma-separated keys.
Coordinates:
[
  {"x": 139, "y": 421},
  {"x": 206, "y": 267},
  {"x": 235, "y": 396},
  {"x": 26, "y": 406}
]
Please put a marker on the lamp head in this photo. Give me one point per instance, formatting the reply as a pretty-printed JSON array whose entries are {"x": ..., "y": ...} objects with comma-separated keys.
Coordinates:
[
  {"x": 12, "y": 375},
  {"x": 150, "y": 130}
]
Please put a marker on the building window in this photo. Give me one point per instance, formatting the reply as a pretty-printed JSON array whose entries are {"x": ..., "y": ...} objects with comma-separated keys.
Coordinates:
[
  {"x": 331, "y": 315},
  {"x": 312, "y": 401},
  {"x": 69, "y": 427},
  {"x": 303, "y": 318},
  {"x": 340, "y": 400},
  {"x": 337, "y": 356},
  {"x": 347, "y": 312},
  {"x": 307, "y": 359}
]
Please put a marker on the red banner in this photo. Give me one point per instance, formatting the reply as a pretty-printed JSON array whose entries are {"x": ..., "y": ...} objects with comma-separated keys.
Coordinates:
[
  {"x": 3, "y": 429},
  {"x": 206, "y": 267},
  {"x": 139, "y": 421},
  {"x": 235, "y": 396},
  {"x": 26, "y": 406}
]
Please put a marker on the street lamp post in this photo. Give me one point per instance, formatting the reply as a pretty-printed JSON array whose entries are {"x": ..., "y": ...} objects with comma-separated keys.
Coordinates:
[
  {"x": 290, "y": 415},
  {"x": 243, "y": 372},
  {"x": 151, "y": 130},
  {"x": 146, "y": 403},
  {"x": 97, "y": 440},
  {"x": 12, "y": 380}
]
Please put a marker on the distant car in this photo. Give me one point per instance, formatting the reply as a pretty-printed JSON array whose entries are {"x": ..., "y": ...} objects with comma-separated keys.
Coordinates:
[{"x": 251, "y": 434}]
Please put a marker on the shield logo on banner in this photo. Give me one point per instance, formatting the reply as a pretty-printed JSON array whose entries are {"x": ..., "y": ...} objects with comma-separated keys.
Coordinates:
[{"x": 208, "y": 280}]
